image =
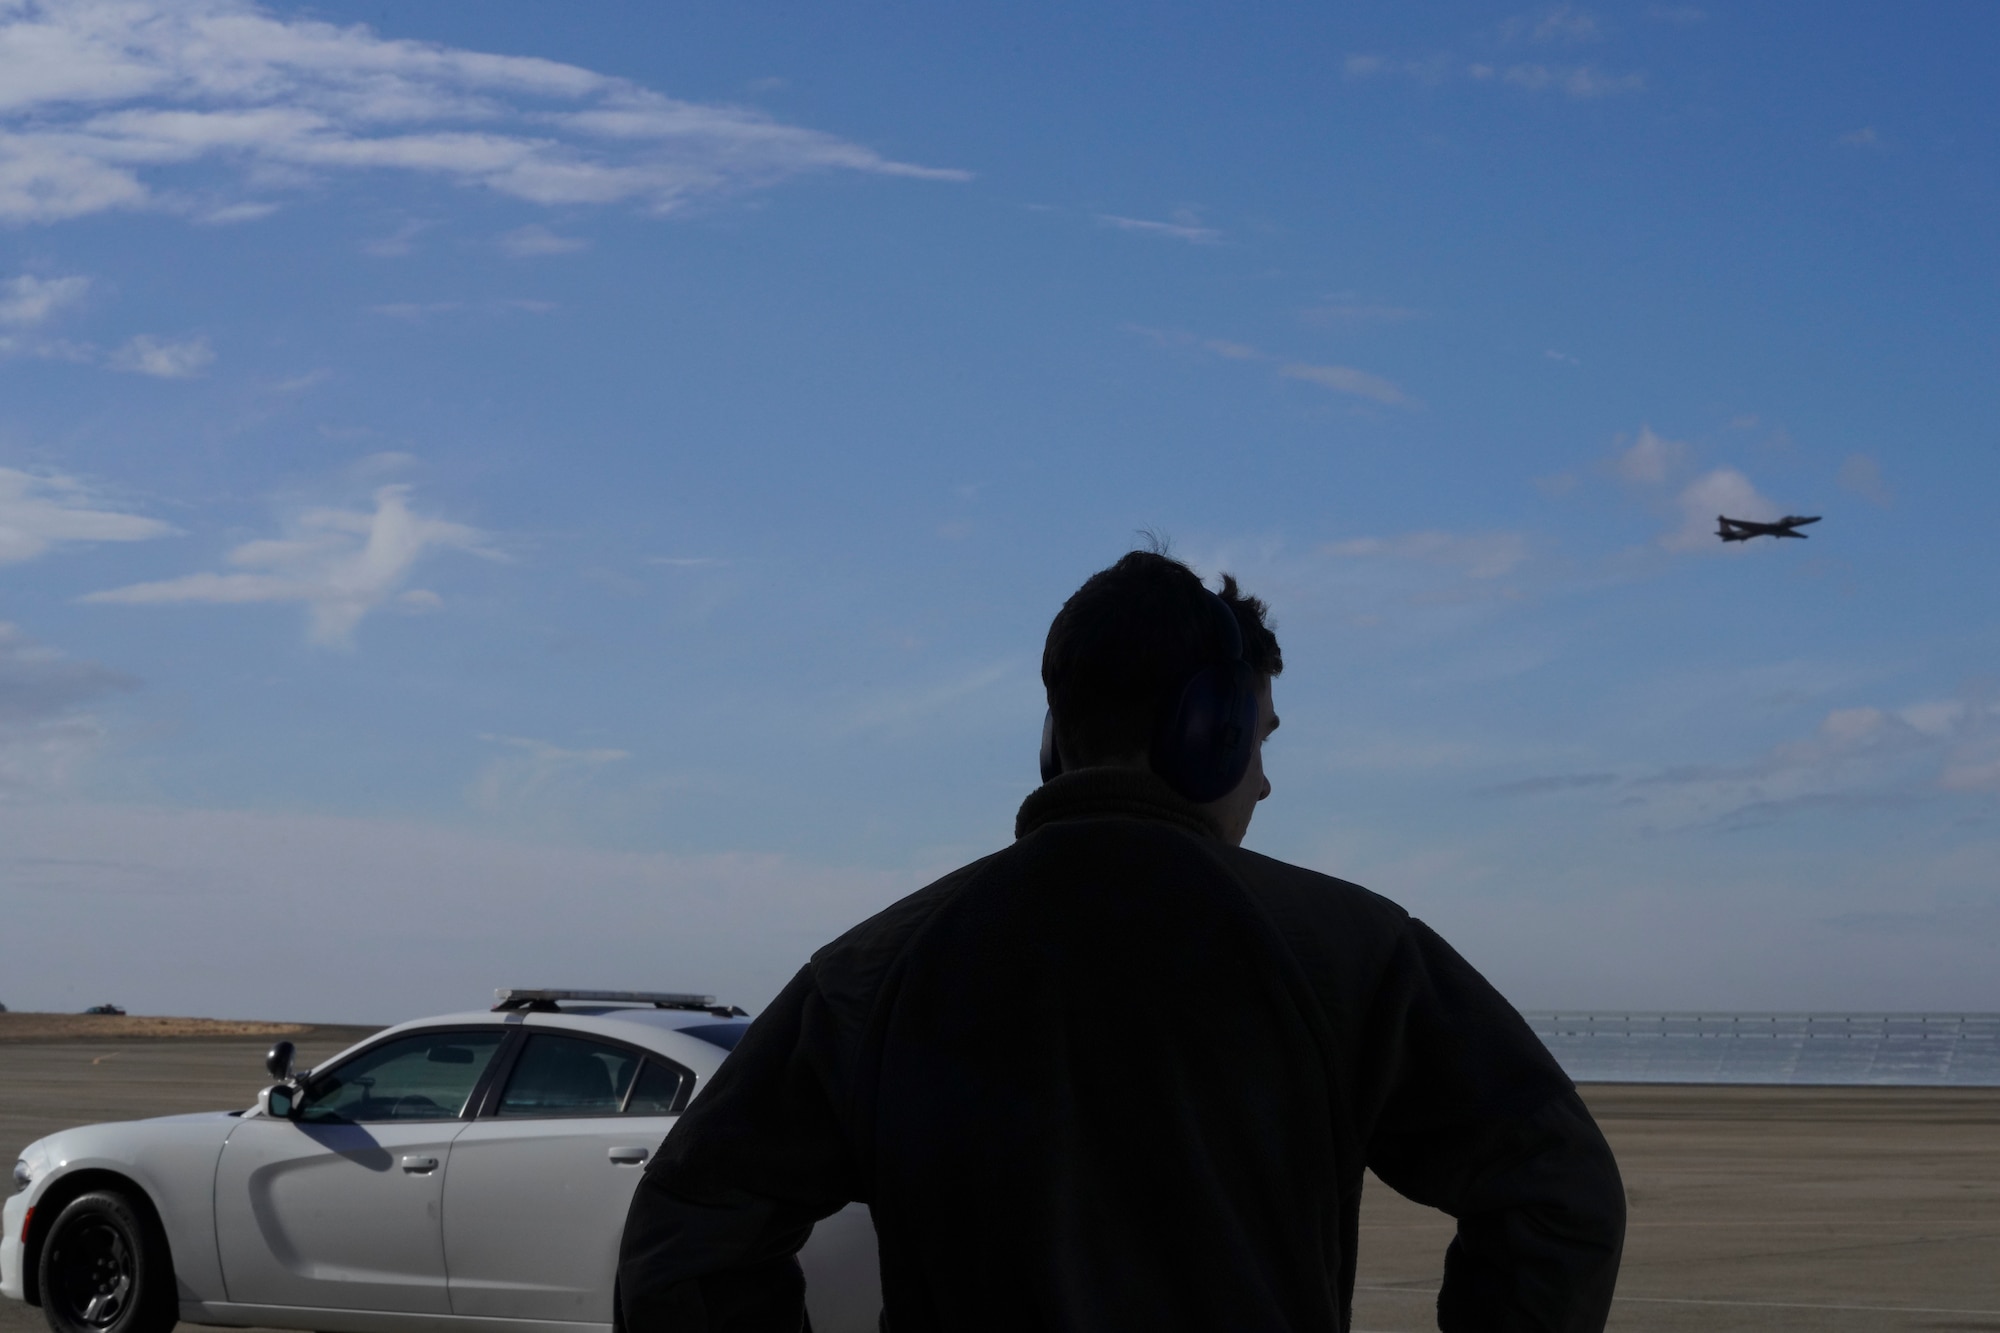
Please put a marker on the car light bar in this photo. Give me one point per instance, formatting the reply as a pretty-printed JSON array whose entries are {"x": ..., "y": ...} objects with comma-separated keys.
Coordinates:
[{"x": 548, "y": 999}]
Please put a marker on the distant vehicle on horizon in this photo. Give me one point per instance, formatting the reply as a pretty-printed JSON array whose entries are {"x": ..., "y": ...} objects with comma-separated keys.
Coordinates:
[
  {"x": 467, "y": 1173},
  {"x": 104, "y": 1009},
  {"x": 1742, "y": 530}
]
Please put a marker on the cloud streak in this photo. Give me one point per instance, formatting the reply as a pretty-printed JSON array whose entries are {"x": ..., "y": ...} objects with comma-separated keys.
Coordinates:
[
  {"x": 45, "y": 732},
  {"x": 41, "y": 512},
  {"x": 106, "y": 104},
  {"x": 1476, "y": 555},
  {"x": 1340, "y": 379},
  {"x": 1861, "y": 475},
  {"x": 1721, "y": 491},
  {"x": 525, "y": 777},
  {"x": 27, "y": 300},
  {"x": 1855, "y": 759},
  {"x": 1182, "y": 229},
  {"x": 340, "y": 564},
  {"x": 1348, "y": 380},
  {"x": 163, "y": 358},
  {"x": 1652, "y": 460},
  {"x": 1580, "y": 82},
  {"x": 536, "y": 241}
]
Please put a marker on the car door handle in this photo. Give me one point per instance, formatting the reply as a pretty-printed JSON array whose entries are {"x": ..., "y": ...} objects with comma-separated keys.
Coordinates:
[
  {"x": 627, "y": 1156},
  {"x": 418, "y": 1166}
]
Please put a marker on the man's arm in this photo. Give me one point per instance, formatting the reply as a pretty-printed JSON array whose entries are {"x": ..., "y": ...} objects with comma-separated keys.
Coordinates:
[
  {"x": 708, "y": 1265},
  {"x": 1477, "y": 1119},
  {"x": 715, "y": 1224}
]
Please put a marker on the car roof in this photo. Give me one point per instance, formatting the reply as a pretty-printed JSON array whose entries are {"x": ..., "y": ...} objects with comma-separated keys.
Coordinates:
[{"x": 655, "y": 1029}]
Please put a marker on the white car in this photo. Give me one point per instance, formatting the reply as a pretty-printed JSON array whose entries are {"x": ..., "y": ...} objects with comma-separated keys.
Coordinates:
[{"x": 468, "y": 1173}]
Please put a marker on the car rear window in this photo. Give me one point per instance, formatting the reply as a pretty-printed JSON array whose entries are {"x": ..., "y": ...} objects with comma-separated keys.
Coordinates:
[
  {"x": 656, "y": 1092},
  {"x": 725, "y": 1035},
  {"x": 562, "y": 1076}
]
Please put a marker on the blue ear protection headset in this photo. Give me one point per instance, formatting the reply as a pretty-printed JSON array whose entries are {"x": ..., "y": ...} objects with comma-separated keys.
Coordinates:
[{"x": 1202, "y": 745}]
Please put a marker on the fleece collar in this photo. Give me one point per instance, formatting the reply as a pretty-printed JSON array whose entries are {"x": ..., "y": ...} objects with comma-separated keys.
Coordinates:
[{"x": 1110, "y": 793}]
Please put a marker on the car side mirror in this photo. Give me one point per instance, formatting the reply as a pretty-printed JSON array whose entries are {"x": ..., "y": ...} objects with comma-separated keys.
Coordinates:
[
  {"x": 280, "y": 1101},
  {"x": 278, "y": 1064}
]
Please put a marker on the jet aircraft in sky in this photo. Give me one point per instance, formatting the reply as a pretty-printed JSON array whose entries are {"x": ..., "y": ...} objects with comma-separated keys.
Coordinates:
[{"x": 1742, "y": 530}]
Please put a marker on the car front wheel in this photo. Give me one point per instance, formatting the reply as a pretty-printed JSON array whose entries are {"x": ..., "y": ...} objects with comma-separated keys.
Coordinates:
[{"x": 105, "y": 1269}]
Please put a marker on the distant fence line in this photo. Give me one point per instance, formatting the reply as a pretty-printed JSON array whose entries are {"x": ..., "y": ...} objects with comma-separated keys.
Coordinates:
[{"x": 1811, "y": 1049}]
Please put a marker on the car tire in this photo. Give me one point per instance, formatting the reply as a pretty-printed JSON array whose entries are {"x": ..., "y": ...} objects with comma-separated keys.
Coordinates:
[{"x": 105, "y": 1269}]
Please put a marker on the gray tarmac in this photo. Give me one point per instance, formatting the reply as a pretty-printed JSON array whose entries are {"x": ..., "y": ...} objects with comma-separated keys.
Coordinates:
[{"x": 1773, "y": 1209}]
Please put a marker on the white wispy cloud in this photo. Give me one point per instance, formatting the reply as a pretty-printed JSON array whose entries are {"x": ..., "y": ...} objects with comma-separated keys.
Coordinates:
[
  {"x": 516, "y": 907},
  {"x": 1346, "y": 379},
  {"x": 27, "y": 300},
  {"x": 1863, "y": 476},
  {"x": 340, "y": 564},
  {"x": 531, "y": 770},
  {"x": 163, "y": 358},
  {"x": 1721, "y": 491},
  {"x": 1341, "y": 379},
  {"x": 1429, "y": 71},
  {"x": 1652, "y": 460},
  {"x": 38, "y": 512},
  {"x": 400, "y": 242},
  {"x": 1865, "y": 137},
  {"x": 414, "y": 310},
  {"x": 99, "y": 97},
  {"x": 46, "y": 728},
  {"x": 1581, "y": 82},
  {"x": 1477, "y": 555},
  {"x": 1855, "y": 757},
  {"x": 300, "y": 382},
  {"x": 1427, "y": 583},
  {"x": 1350, "y": 312},
  {"x": 903, "y": 708},
  {"x": 1852, "y": 759},
  {"x": 1185, "y": 227},
  {"x": 1180, "y": 339},
  {"x": 1648, "y": 459},
  {"x": 535, "y": 240},
  {"x": 1562, "y": 23},
  {"x": 227, "y": 215}
]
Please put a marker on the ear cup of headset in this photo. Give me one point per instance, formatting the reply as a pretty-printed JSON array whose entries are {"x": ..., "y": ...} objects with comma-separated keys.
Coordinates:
[
  {"x": 1051, "y": 758},
  {"x": 1203, "y": 746}
]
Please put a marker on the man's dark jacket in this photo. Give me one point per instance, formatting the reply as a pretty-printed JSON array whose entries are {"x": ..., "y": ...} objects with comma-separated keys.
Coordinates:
[{"x": 1123, "y": 1076}]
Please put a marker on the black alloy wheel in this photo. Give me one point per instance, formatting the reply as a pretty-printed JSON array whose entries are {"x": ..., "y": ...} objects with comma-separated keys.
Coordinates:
[{"x": 105, "y": 1269}]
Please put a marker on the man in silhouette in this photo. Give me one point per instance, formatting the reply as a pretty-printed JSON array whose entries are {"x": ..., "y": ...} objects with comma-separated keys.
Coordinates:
[{"x": 1123, "y": 1074}]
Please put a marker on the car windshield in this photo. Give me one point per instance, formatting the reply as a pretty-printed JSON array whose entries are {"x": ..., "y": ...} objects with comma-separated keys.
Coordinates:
[{"x": 424, "y": 1076}]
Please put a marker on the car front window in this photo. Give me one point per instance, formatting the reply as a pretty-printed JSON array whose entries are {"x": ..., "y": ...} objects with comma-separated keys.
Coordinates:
[{"x": 424, "y": 1076}]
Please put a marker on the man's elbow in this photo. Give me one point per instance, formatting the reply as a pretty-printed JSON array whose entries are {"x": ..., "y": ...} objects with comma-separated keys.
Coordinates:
[
  {"x": 1600, "y": 1188},
  {"x": 702, "y": 1266},
  {"x": 1584, "y": 1223}
]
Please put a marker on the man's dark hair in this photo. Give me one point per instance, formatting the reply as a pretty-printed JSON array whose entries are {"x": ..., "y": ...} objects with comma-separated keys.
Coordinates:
[{"x": 1123, "y": 646}]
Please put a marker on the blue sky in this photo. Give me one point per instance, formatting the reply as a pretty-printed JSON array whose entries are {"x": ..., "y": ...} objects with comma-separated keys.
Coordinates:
[{"x": 491, "y": 501}]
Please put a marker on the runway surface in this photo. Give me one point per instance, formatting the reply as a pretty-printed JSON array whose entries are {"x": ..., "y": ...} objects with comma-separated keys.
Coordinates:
[{"x": 1773, "y": 1209}]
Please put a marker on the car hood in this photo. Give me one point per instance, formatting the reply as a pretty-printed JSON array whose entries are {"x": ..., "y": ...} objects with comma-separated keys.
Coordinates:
[{"x": 118, "y": 1137}]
